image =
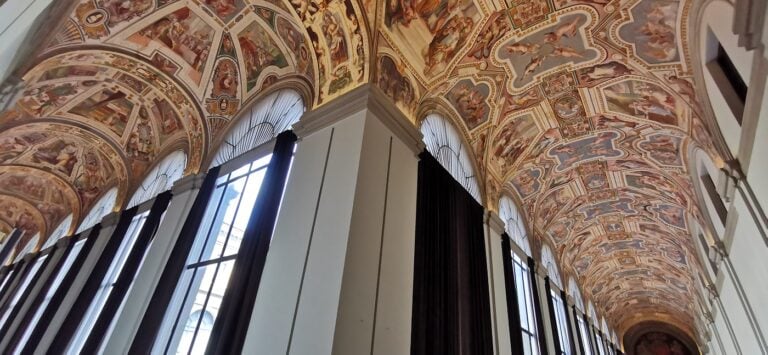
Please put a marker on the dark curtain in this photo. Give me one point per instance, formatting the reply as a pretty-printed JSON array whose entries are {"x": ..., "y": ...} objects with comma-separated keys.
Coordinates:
[
  {"x": 552, "y": 316},
  {"x": 578, "y": 330},
  {"x": 127, "y": 273},
  {"x": 231, "y": 325},
  {"x": 513, "y": 308},
  {"x": 25, "y": 293},
  {"x": 569, "y": 323},
  {"x": 85, "y": 297},
  {"x": 543, "y": 349},
  {"x": 153, "y": 316},
  {"x": 451, "y": 306},
  {"x": 12, "y": 273}
]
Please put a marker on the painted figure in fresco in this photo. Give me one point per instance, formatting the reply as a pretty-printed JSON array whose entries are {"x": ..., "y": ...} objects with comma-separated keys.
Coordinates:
[
  {"x": 334, "y": 36},
  {"x": 447, "y": 41},
  {"x": 523, "y": 48},
  {"x": 642, "y": 100},
  {"x": 394, "y": 83},
  {"x": 603, "y": 71},
  {"x": 663, "y": 149},
  {"x": 567, "y": 30},
  {"x": 184, "y": 33},
  {"x": 46, "y": 98},
  {"x": 527, "y": 183},
  {"x": 60, "y": 155},
  {"x": 470, "y": 103},
  {"x": 259, "y": 52},
  {"x": 225, "y": 79},
  {"x": 489, "y": 36},
  {"x": 124, "y": 10},
  {"x": 223, "y": 8},
  {"x": 584, "y": 149},
  {"x": 516, "y": 136}
]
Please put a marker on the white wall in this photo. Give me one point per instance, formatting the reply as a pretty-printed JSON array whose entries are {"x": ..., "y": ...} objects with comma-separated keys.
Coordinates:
[{"x": 16, "y": 19}]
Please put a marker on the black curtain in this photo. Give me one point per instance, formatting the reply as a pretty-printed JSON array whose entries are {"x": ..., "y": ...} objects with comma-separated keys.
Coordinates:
[
  {"x": 12, "y": 273},
  {"x": 153, "y": 316},
  {"x": 127, "y": 273},
  {"x": 552, "y": 316},
  {"x": 84, "y": 298},
  {"x": 25, "y": 293},
  {"x": 231, "y": 325},
  {"x": 58, "y": 295},
  {"x": 451, "y": 306},
  {"x": 578, "y": 330},
  {"x": 513, "y": 310},
  {"x": 543, "y": 349}
]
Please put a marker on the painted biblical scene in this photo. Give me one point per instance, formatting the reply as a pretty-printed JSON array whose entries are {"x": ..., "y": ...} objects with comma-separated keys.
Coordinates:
[
  {"x": 47, "y": 98},
  {"x": 225, "y": 9},
  {"x": 644, "y": 100},
  {"x": 122, "y": 11},
  {"x": 432, "y": 31},
  {"x": 621, "y": 206},
  {"x": 594, "y": 75},
  {"x": 260, "y": 51},
  {"x": 395, "y": 84},
  {"x": 547, "y": 49},
  {"x": 14, "y": 213},
  {"x": 657, "y": 184},
  {"x": 470, "y": 100},
  {"x": 585, "y": 149},
  {"x": 527, "y": 182},
  {"x": 526, "y": 13},
  {"x": 551, "y": 204},
  {"x": 653, "y": 31},
  {"x": 672, "y": 215},
  {"x": 514, "y": 137},
  {"x": 664, "y": 149},
  {"x": 183, "y": 32},
  {"x": 112, "y": 108}
]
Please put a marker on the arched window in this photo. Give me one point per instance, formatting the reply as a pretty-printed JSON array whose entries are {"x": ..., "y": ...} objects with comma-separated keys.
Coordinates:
[
  {"x": 59, "y": 232},
  {"x": 573, "y": 290},
  {"x": 264, "y": 121},
  {"x": 586, "y": 341},
  {"x": 549, "y": 262},
  {"x": 513, "y": 224},
  {"x": 100, "y": 209},
  {"x": 558, "y": 303},
  {"x": 211, "y": 259},
  {"x": 447, "y": 147},
  {"x": 160, "y": 178}
]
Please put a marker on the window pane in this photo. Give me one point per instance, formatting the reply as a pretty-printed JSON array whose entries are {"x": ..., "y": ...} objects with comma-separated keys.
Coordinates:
[
  {"x": 22, "y": 287},
  {"x": 105, "y": 289},
  {"x": 51, "y": 290}
]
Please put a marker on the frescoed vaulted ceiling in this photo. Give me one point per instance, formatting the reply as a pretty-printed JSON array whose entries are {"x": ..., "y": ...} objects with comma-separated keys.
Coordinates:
[{"x": 584, "y": 111}]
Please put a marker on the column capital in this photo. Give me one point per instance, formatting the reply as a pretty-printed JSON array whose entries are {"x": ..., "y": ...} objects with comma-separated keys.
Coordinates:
[
  {"x": 187, "y": 183},
  {"x": 365, "y": 97},
  {"x": 492, "y": 220}
]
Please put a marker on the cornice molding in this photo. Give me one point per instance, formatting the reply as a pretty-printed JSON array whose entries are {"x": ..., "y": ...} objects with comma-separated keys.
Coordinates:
[
  {"x": 492, "y": 220},
  {"x": 187, "y": 183},
  {"x": 365, "y": 97}
]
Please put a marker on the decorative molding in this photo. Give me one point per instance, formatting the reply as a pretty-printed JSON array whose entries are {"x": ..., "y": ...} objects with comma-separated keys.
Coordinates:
[
  {"x": 188, "y": 183},
  {"x": 365, "y": 97},
  {"x": 492, "y": 220}
]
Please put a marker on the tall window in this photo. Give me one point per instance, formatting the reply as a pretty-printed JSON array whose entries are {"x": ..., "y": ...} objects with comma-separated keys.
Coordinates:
[
  {"x": 60, "y": 274},
  {"x": 584, "y": 330},
  {"x": 525, "y": 303},
  {"x": 30, "y": 274},
  {"x": 600, "y": 344},
  {"x": 549, "y": 262},
  {"x": 198, "y": 296},
  {"x": 92, "y": 314},
  {"x": 445, "y": 144},
  {"x": 562, "y": 322}
]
